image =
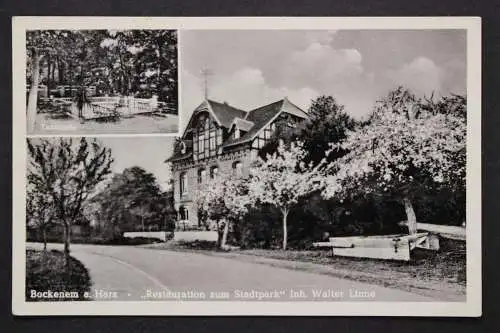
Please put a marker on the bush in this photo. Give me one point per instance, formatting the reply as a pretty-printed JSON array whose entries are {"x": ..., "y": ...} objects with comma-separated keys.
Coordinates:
[
  {"x": 98, "y": 240},
  {"x": 131, "y": 241},
  {"x": 46, "y": 272},
  {"x": 198, "y": 245}
]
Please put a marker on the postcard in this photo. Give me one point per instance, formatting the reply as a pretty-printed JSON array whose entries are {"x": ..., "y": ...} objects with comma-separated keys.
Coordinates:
[{"x": 247, "y": 166}]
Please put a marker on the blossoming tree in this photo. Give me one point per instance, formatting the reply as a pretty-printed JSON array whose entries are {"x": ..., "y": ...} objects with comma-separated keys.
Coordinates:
[
  {"x": 282, "y": 179},
  {"x": 67, "y": 172},
  {"x": 223, "y": 199},
  {"x": 404, "y": 147}
]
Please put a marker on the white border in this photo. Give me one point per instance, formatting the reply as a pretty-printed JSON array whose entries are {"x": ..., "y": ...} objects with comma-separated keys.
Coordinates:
[{"x": 470, "y": 308}]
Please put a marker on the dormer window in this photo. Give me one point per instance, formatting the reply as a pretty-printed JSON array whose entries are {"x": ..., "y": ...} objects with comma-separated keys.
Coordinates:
[{"x": 236, "y": 133}]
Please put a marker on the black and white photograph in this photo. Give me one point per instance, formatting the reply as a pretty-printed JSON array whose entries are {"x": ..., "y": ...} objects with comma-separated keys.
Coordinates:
[
  {"x": 101, "y": 82},
  {"x": 324, "y": 171}
]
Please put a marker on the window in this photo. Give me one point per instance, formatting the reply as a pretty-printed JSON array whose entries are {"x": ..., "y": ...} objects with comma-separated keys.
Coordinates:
[
  {"x": 213, "y": 172},
  {"x": 183, "y": 184},
  {"x": 201, "y": 143},
  {"x": 195, "y": 145},
  {"x": 213, "y": 146},
  {"x": 236, "y": 133},
  {"x": 202, "y": 176},
  {"x": 219, "y": 136},
  {"x": 267, "y": 133},
  {"x": 237, "y": 168},
  {"x": 183, "y": 147}
]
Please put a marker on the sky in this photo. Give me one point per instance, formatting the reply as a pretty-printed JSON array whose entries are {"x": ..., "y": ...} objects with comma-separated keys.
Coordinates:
[
  {"x": 357, "y": 67},
  {"x": 253, "y": 68},
  {"x": 149, "y": 153}
]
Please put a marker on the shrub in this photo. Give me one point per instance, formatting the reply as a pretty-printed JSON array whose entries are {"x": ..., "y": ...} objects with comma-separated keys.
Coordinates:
[{"x": 46, "y": 271}]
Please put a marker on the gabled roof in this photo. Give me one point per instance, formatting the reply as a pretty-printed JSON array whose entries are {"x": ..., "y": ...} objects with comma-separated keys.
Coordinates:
[
  {"x": 242, "y": 124},
  {"x": 225, "y": 113},
  {"x": 262, "y": 116},
  {"x": 293, "y": 109}
]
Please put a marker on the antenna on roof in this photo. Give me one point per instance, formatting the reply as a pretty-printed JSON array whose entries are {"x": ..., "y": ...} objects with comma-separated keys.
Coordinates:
[{"x": 206, "y": 72}]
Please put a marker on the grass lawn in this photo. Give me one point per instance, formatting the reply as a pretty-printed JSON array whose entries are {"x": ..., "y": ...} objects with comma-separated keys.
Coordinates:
[
  {"x": 47, "y": 279},
  {"x": 440, "y": 275}
]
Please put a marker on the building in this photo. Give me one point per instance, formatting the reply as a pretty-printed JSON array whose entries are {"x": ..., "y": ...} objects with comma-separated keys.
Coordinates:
[{"x": 220, "y": 138}]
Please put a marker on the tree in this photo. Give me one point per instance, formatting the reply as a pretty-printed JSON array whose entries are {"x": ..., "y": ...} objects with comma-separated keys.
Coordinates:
[
  {"x": 74, "y": 49},
  {"x": 327, "y": 123},
  {"x": 156, "y": 64},
  {"x": 224, "y": 198},
  {"x": 143, "y": 62},
  {"x": 38, "y": 43},
  {"x": 40, "y": 212},
  {"x": 132, "y": 198},
  {"x": 68, "y": 172},
  {"x": 282, "y": 179},
  {"x": 404, "y": 150}
]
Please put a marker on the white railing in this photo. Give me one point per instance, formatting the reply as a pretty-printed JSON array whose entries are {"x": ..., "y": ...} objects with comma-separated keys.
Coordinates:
[
  {"x": 111, "y": 105},
  {"x": 106, "y": 99}
]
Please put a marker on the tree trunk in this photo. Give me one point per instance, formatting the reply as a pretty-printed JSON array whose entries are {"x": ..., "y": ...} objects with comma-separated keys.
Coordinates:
[
  {"x": 410, "y": 216},
  {"x": 44, "y": 233},
  {"x": 285, "y": 231},
  {"x": 70, "y": 70},
  {"x": 158, "y": 84},
  {"x": 67, "y": 240},
  {"x": 33, "y": 95},
  {"x": 224, "y": 234},
  {"x": 60, "y": 71},
  {"x": 219, "y": 235},
  {"x": 53, "y": 77},
  {"x": 49, "y": 68}
]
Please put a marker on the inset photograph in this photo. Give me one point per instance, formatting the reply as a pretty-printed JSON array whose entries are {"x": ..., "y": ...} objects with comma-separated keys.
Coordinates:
[{"x": 90, "y": 82}]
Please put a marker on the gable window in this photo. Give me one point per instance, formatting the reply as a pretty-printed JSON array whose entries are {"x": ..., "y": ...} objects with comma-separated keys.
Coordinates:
[
  {"x": 219, "y": 136},
  {"x": 237, "y": 168},
  {"x": 213, "y": 146},
  {"x": 214, "y": 171},
  {"x": 201, "y": 144},
  {"x": 202, "y": 176},
  {"x": 183, "y": 185},
  {"x": 208, "y": 137}
]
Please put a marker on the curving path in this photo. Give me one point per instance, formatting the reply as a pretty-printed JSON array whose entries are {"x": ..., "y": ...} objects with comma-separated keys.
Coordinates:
[{"x": 135, "y": 273}]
